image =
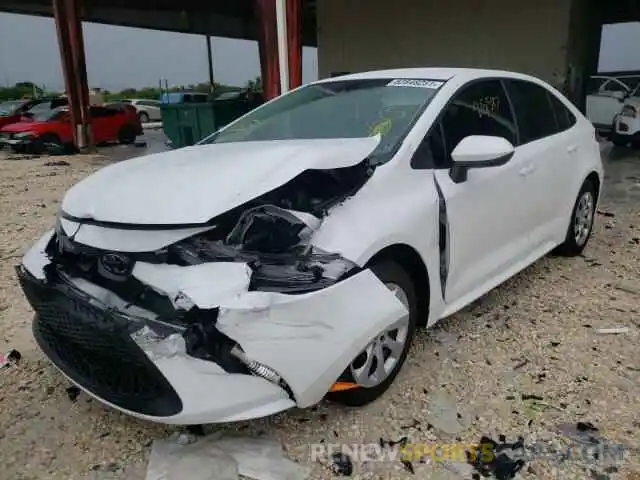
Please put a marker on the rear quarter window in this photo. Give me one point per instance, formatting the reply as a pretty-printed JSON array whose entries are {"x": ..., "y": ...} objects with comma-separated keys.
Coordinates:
[
  {"x": 565, "y": 119},
  {"x": 533, "y": 110}
]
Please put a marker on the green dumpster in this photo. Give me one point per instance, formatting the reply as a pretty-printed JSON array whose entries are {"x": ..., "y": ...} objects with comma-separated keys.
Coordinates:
[{"x": 185, "y": 124}]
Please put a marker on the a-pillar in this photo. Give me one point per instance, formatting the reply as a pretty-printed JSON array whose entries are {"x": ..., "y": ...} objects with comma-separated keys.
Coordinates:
[
  {"x": 68, "y": 21},
  {"x": 268, "y": 45}
]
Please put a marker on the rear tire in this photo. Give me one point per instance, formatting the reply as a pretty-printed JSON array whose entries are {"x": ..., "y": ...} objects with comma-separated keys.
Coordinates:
[
  {"x": 144, "y": 117},
  {"x": 390, "y": 273},
  {"x": 127, "y": 135},
  {"x": 581, "y": 223}
]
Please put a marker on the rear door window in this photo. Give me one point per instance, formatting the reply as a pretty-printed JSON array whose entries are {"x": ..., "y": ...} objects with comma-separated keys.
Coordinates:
[{"x": 533, "y": 110}]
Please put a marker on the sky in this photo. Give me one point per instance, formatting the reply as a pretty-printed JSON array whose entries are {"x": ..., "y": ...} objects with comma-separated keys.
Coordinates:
[{"x": 122, "y": 57}]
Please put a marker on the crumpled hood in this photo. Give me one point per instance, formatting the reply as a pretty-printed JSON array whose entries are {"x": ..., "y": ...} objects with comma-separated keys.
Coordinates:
[{"x": 194, "y": 184}]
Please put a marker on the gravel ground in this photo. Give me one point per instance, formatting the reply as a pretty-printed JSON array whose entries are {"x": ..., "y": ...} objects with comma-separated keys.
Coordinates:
[{"x": 535, "y": 335}]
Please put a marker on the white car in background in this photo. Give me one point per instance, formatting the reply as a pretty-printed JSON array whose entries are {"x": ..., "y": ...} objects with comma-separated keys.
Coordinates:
[
  {"x": 606, "y": 96},
  {"x": 148, "y": 110},
  {"x": 293, "y": 253},
  {"x": 627, "y": 123}
]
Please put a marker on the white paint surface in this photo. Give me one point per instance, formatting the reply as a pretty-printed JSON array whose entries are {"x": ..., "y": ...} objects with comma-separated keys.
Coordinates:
[{"x": 217, "y": 177}]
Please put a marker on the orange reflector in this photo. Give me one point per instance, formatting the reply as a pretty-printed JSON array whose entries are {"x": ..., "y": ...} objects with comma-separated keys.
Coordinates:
[{"x": 341, "y": 386}]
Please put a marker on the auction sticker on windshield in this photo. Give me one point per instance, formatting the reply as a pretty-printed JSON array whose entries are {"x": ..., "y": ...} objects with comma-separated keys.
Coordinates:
[{"x": 414, "y": 82}]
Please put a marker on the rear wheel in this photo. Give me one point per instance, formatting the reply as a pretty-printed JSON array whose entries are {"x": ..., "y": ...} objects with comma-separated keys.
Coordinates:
[
  {"x": 144, "y": 117},
  {"x": 127, "y": 135},
  {"x": 581, "y": 223},
  {"x": 377, "y": 366}
]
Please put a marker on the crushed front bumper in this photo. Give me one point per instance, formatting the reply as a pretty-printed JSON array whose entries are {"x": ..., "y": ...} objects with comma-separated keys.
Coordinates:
[
  {"x": 307, "y": 339},
  {"x": 93, "y": 348}
]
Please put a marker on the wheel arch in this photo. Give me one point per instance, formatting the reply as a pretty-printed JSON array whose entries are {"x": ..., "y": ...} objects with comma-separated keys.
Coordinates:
[
  {"x": 595, "y": 178},
  {"x": 409, "y": 259}
]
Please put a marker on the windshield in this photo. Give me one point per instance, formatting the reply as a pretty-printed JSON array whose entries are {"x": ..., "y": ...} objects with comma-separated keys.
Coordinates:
[
  {"x": 9, "y": 108},
  {"x": 47, "y": 114},
  {"x": 338, "y": 109}
]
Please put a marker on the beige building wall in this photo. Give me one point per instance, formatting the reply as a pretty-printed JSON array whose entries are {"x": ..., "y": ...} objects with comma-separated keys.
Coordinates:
[{"x": 524, "y": 35}]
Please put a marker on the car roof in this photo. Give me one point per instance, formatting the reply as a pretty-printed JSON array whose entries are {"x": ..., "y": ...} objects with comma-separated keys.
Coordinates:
[{"x": 443, "y": 74}]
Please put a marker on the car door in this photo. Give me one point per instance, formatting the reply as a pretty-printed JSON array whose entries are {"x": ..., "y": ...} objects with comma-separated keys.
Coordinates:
[
  {"x": 486, "y": 215},
  {"x": 152, "y": 108},
  {"x": 546, "y": 149},
  {"x": 603, "y": 105},
  {"x": 104, "y": 124}
]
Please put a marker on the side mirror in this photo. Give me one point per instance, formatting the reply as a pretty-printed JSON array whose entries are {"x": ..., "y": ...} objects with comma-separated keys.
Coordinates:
[{"x": 479, "y": 151}]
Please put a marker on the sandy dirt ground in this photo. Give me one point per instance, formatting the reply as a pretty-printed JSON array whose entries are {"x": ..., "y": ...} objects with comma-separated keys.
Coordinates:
[{"x": 475, "y": 374}]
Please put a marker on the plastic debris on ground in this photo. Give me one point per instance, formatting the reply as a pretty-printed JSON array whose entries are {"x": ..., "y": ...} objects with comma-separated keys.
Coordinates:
[
  {"x": 341, "y": 464},
  {"x": 9, "y": 358},
  {"x": 443, "y": 413},
  {"x": 183, "y": 456},
  {"x": 500, "y": 465},
  {"x": 613, "y": 331}
]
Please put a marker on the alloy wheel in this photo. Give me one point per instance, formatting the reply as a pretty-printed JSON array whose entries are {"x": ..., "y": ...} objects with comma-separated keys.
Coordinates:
[
  {"x": 379, "y": 359},
  {"x": 583, "y": 219}
]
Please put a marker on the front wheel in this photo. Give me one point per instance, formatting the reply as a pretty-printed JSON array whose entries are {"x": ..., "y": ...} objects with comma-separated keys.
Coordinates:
[
  {"x": 144, "y": 117},
  {"x": 581, "y": 223},
  {"x": 127, "y": 135},
  {"x": 376, "y": 367}
]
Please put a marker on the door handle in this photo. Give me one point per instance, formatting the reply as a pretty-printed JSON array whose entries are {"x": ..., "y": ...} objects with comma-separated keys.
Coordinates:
[
  {"x": 572, "y": 148},
  {"x": 527, "y": 170}
]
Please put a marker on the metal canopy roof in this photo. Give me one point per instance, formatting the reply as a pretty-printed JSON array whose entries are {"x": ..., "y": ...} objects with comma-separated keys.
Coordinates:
[{"x": 220, "y": 18}]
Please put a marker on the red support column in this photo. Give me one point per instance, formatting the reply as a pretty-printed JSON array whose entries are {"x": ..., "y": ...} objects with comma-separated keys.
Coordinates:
[
  {"x": 66, "y": 55},
  {"x": 294, "y": 42},
  {"x": 268, "y": 46},
  {"x": 70, "y": 41},
  {"x": 80, "y": 69}
]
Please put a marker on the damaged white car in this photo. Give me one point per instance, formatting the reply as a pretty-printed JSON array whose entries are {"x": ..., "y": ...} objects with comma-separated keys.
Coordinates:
[{"x": 293, "y": 253}]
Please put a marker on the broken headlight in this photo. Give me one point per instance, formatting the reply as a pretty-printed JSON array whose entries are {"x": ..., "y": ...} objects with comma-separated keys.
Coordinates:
[
  {"x": 314, "y": 270},
  {"x": 300, "y": 270}
]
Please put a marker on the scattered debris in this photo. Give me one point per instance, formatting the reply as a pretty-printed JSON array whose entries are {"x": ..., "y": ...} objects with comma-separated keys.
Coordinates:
[
  {"x": 521, "y": 364},
  {"x": 73, "y": 392},
  {"x": 526, "y": 396},
  {"x": 216, "y": 457},
  {"x": 499, "y": 464},
  {"x": 414, "y": 424},
  {"x": 341, "y": 464},
  {"x": 606, "y": 214},
  {"x": 141, "y": 143},
  {"x": 56, "y": 163},
  {"x": 408, "y": 466},
  {"x": 392, "y": 443},
  {"x": 613, "y": 331},
  {"x": 8, "y": 359},
  {"x": 628, "y": 287},
  {"x": 583, "y": 432}
]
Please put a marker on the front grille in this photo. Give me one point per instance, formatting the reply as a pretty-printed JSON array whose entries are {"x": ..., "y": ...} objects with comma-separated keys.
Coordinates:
[{"x": 93, "y": 348}]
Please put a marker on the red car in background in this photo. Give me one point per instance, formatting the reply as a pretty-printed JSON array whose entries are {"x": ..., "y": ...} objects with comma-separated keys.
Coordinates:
[{"x": 52, "y": 129}]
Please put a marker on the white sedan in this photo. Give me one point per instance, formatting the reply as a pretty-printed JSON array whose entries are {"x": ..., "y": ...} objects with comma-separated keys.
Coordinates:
[
  {"x": 292, "y": 254},
  {"x": 148, "y": 110}
]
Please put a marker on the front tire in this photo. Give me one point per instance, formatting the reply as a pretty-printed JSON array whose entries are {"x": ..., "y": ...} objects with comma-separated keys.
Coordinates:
[
  {"x": 127, "y": 135},
  {"x": 144, "y": 117},
  {"x": 581, "y": 224},
  {"x": 372, "y": 376}
]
